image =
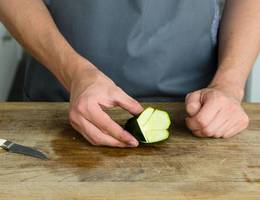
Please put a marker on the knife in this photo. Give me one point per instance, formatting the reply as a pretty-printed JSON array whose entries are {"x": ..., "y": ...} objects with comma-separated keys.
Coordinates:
[{"x": 17, "y": 148}]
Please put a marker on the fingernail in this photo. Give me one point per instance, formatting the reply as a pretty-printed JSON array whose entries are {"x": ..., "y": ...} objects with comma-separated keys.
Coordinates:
[{"x": 134, "y": 143}]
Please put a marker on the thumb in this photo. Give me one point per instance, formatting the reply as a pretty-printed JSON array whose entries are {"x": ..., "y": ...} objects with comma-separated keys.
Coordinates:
[
  {"x": 193, "y": 103},
  {"x": 128, "y": 103}
]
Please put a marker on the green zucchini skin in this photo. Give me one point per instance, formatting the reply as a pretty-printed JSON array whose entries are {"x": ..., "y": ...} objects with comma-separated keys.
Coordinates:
[{"x": 133, "y": 128}]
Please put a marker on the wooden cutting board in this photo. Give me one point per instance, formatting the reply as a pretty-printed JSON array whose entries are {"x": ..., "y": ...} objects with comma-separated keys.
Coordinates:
[{"x": 183, "y": 167}]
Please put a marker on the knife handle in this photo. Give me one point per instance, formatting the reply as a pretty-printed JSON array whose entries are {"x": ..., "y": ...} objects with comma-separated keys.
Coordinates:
[{"x": 6, "y": 145}]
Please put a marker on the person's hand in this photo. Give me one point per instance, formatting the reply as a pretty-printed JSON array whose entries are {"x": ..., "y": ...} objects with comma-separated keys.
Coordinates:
[
  {"x": 91, "y": 91},
  {"x": 215, "y": 113}
]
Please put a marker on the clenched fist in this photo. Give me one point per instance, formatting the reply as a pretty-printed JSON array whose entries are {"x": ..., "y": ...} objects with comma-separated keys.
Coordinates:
[{"x": 214, "y": 113}]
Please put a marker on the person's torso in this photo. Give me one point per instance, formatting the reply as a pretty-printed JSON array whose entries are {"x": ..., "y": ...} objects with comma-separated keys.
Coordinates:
[{"x": 154, "y": 50}]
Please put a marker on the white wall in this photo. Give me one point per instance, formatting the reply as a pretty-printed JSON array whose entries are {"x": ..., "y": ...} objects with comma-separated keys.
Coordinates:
[
  {"x": 253, "y": 86},
  {"x": 10, "y": 54}
]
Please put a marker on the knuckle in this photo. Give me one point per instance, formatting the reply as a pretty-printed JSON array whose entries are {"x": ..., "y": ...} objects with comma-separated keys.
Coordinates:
[
  {"x": 106, "y": 124},
  {"x": 197, "y": 133},
  {"x": 112, "y": 127},
  {"x": 120, "y": 136},
  {"x": 226, "y": 136},
  {"x": 201, "y": 121},
  {"x": 81, "y": 105},
  {"x": 124, "y": 137},
  {"x": 85, "y": 105},
  {"x": 208, "y": 132},
  {"x": 96, "y": 141},
  {"x": 188, "y": 96},
  {"x": 213, "y": 95},
  {"x": 191, "y": 106},
  {"x": 72, "y": 116}
]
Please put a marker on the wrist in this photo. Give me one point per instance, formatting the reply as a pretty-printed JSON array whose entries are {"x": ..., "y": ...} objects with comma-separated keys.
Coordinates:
[
  {"x": 73, "y": 67},
  {"x": 230, "y": 89},
  {"x": 231, "y": 81}
]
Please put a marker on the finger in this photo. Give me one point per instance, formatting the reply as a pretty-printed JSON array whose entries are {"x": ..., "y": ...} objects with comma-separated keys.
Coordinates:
[
  {"x": 235, "y": 129},
  {"x": 224, "y": 123},
  {"x": 128, "y": 103},
  {"x": 194, "y": 132},
  {"x": 192, "y": 102},
  {"x": 218, "y": 125},
  {"x": 223, "y": 127},
  {"x": 94, "y": 135},
  {"x": 206, "y": 115},
  {"x": 79, "y": 129},
  {"x": 198, "y": 133},
  {"x": 102, "y": 120},
  {"x": 192, "y": 125}
]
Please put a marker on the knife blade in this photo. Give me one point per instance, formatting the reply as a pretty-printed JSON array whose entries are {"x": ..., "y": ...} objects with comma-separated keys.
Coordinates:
[{"x": 20, "y": 149}]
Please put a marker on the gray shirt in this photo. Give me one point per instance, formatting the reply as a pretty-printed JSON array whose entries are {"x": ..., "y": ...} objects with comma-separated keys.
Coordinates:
[{"x": 155, "y": 50}]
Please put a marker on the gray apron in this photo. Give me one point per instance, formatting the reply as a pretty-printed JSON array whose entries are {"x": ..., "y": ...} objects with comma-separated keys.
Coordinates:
[{"x": 155, "y": 50}]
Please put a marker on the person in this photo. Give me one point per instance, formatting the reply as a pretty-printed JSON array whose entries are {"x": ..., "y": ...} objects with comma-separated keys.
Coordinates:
[{"x": 104, "y": 53}]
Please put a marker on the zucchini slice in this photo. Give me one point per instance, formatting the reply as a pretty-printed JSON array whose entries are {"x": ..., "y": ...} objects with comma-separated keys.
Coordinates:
[{"x": 150, "y": 126}]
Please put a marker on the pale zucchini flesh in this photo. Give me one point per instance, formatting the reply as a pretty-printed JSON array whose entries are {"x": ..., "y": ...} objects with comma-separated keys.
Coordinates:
[
  {"x": 153, "y": 136},
  {"x": 150, "y": 126}
]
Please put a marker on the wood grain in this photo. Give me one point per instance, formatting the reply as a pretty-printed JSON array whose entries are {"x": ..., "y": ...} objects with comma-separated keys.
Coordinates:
[{"x": 183, "y": 167}]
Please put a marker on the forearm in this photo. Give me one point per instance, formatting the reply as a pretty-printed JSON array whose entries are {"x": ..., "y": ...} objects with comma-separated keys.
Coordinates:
[
  {"x": 239, "y": 45},
  {"x": 31, "y": 24}
]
